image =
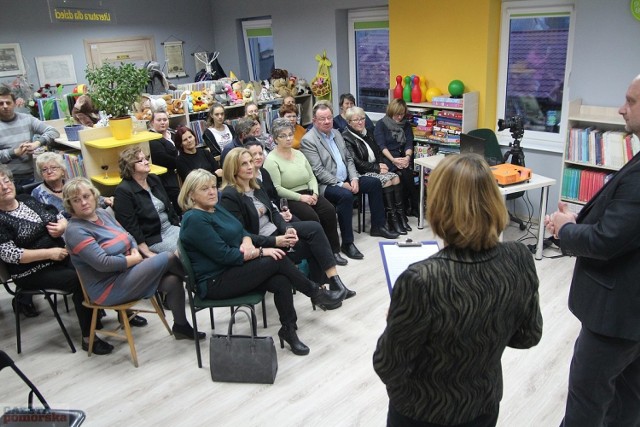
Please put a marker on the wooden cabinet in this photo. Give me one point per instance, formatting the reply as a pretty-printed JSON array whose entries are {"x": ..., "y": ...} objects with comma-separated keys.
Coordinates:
[{"x": 596, "y": 146}]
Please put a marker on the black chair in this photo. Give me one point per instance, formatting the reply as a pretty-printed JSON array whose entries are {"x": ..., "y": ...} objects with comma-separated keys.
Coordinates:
[
  {"x": 27, "y": 188},
  {"x": 36, "y": 416},
  {"x": 493, "y": 155},
  {"x": 196, "y": 303},
  {"x": 49, "y": 295}
]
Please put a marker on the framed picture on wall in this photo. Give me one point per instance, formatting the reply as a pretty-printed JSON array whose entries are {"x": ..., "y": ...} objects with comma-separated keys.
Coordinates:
[
  {"x": 56, "y": 69},
  {"x": 11, "y": 63}
]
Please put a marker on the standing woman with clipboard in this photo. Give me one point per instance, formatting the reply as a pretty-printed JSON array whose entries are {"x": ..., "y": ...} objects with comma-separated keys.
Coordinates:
[{"x": 453, "y": 314}]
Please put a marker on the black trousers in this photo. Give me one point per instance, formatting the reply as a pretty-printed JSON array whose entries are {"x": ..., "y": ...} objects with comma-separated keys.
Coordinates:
[
  {"x": 604, "y": 382},
  {"x": 265, "y": 274},
  {"x": 396, "y": 419},
  {"x": 314, "y": 247},
  {"x": 324, "y": 213},
  {"x": 64, "y": 277}
]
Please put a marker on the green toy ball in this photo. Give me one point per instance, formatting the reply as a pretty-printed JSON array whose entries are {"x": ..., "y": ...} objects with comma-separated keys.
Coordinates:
[{"x": 456, "y": 88}]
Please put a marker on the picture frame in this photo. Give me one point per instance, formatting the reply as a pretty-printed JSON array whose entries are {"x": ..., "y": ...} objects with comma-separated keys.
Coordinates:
[
  {"x": 11, "y": 62},
  {"x": 56, "y": 69}
]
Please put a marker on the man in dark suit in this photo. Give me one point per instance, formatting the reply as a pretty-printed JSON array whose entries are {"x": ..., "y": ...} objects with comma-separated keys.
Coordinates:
[
  {"x": 338, "y": 179},
  {"x": 604, "y": 380}
]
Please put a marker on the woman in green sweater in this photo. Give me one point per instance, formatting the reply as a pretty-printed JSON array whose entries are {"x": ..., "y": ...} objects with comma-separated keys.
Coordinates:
[
  {"x": 294, "y": 180},
  {"x": 227, "y": 264}
]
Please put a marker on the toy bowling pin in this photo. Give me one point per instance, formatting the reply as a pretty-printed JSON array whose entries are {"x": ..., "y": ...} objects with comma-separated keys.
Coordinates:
[
  {"x": 397, "y": 92},
  {"x": 415, "y": 91},
  {"x": 406, "y": 92}
]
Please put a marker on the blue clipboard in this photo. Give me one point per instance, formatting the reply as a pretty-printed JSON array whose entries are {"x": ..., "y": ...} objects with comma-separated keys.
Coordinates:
[{"x": 397, "y": 256}]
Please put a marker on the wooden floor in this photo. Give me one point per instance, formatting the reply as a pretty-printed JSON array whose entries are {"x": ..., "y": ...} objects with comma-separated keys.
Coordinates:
[{"x": 334, "y": 385}]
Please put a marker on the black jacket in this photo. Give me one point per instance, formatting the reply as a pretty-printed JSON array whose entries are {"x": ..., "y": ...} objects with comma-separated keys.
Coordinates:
[
  {"x": 164, "y": 153},
  {"x": 356, "y": 146},
  {"x": 135, "y": 211},
  {"x": 244, "y": 210}
]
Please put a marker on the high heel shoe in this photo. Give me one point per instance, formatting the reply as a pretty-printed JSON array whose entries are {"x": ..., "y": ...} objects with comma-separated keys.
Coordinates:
[
  {"x": 288, "y": 333},
  {"x": 335, "y": 284},
  {"x": 326, "y": 299},
  {"x": 185, "y": 332}
]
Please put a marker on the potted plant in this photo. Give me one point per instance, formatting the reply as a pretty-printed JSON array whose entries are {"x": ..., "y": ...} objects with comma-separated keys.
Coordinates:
[
  {"x": 115, "y": 89},
  {"x": 70, "y": 128}
]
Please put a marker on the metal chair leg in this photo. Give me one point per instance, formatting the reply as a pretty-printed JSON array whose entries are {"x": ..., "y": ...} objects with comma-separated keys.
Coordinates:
[{"x": 47, "y": 295}]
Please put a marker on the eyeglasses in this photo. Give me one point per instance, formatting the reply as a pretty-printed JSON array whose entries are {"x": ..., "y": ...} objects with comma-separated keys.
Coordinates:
[
  {"x": 145, "y": 159},
  {"x": 361, "y": 119},
  {"x": 285, "y": 136},
  {"x": 50, "y": 169}
]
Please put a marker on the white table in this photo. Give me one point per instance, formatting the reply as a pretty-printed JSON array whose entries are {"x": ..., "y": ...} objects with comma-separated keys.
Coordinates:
[{"x": 536, "y": 181}]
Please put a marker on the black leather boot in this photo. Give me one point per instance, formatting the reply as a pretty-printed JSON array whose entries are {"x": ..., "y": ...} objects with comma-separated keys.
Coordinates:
[
  {"x": 325, "y": 299},
  {"x": 335, "y": 284},
  {"x": 399, "y": 208},
  {"x": 389, "y": 206},
  {"x": 287, "y": 333}
]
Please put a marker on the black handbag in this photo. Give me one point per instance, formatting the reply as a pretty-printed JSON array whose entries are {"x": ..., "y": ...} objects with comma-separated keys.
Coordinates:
[{"x": 242, "y": 358}]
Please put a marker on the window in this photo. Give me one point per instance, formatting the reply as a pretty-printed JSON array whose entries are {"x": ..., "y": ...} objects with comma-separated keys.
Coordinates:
[
  {"x": 369, "y": 59},
  {"x": 258, "y": 45},
  {"x": 535, "y": 57}
]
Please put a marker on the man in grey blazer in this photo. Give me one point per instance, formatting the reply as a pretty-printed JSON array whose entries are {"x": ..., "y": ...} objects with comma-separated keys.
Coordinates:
[
  {"x": 604, "y": 380},
  {"x": 338, "y": 179}
]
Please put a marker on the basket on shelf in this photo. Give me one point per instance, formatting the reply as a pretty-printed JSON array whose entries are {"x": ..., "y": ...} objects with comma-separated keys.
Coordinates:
[{"x": 321, "y": 83}]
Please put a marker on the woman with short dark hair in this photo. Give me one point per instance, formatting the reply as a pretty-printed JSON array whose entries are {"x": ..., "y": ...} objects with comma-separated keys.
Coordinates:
[{"x": 192, "y": 157}]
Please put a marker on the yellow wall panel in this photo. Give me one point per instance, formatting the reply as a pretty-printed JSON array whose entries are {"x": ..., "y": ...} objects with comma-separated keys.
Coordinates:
[{"x": 446, "y": 40}]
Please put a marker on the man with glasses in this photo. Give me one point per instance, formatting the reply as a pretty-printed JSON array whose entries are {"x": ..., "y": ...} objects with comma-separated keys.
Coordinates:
[
  {"x": 338, "y": 180},
  {"x": 20, "y": 135}
]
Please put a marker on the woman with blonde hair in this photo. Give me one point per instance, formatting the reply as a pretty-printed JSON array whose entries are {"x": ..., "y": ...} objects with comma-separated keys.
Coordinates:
[
  {"x": 243, "y": 196},
  {"x": 227, "y": 263},
  {"x": 107, "y": 258},
  {"x": 453, "y": 314}
]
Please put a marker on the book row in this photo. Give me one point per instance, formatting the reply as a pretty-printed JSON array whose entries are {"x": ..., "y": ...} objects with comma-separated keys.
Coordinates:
[
  {"x": 601, "y": 148},
  {"x": 582, "y": 184}
]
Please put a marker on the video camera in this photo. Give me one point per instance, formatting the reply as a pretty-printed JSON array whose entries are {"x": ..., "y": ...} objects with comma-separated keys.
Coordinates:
[{"x": 515, "y": 124}]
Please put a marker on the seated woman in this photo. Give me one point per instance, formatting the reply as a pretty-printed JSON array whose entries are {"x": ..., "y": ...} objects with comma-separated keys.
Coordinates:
[
  {"x": 290, "y": 112},
  {"x": 107, "y": 259},
  {"x": 227, "y": 264},
  {"x": 218, "y": 135},
  {"x": 367, "y": 158},
  {"x": 294, "y": 180},
  {"x": 251, "y": 111},
  {"x": 164, "y": 153},
  {"x": 192, "y": 157},
  {"x": 395, "y": 138},
  {"x": 51, "y": 167},
  {"x": 245, "y": 127},
  {"x": 453, "y": 314},
  {"x": 250, "y": 204},
  {"x": 142, "y": 206},
  {"x": 340, "y": 121},
  {"x": 32, "y": 247}
]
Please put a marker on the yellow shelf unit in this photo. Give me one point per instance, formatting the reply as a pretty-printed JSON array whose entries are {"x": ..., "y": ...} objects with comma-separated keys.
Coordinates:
[{"x": 99, "y": 148}]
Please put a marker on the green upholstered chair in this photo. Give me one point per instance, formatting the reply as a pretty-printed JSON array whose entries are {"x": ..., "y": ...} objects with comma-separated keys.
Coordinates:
[{"x": 196, "y": 303}]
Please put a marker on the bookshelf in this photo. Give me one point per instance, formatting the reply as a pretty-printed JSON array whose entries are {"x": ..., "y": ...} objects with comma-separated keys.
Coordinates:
[
  {"x": 467, "y": 113},
  {"x": 596, "y": 146}
]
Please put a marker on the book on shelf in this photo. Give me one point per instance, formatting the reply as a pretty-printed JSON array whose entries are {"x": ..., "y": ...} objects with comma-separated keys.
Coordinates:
[
  {"x": 446, "y": 101},
  {"x": 595, "y": 147},
  {"x": 582, "y": 184}
]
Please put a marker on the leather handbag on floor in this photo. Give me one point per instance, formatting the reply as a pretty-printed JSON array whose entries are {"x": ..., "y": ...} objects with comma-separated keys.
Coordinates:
[{"x": 243, "y": 358}]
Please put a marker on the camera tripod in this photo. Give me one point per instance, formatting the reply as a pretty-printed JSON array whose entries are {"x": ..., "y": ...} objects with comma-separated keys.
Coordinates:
[{"x": 517, "y": 158}]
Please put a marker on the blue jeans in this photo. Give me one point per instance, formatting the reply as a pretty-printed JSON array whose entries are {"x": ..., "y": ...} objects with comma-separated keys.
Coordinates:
[{"x": 342, "y": 199}]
